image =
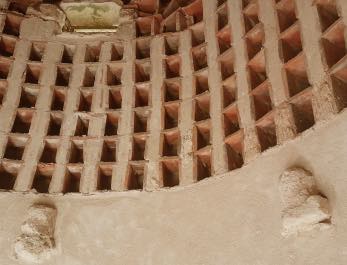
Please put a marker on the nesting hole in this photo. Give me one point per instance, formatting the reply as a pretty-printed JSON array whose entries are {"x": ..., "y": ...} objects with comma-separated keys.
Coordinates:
[
  {"x": 171, "y": 90},
  {"x": 28, "y": 97},
  {"x": 171, "y": 111},
  {"x": 170, "y": 172},
  {"x": 194, "y": 10},
  {"x": 15, "y": 148},
  {"x": 224, "y": 39},
  {"x": 105, "y": 178},
  {"x": 58, "y": 99},
  {"x": 117, "y": 52},
  {"x": 286, "y": 14},
  {"x": 257, "y": 70},
  {"x": 202, "y": 107},
  {"x": 33, "y": 73},
  {"x": 227, "y": 65},
  {"x": 12, "y": 24},
  {"x": 199, "y": 57},
  {"x": 8, "y": 176},
  {"x": 198, "y": 34},
  {"x": 222, "y": 16},
  {"x": 42, "y": 179},
  {"x": 231, "y": 120},
  {"x": 143, "y": 48},
  {"x": 164, "y": 7},
  {"x": 143, "y": 26},
  {"x": 82, "y": 125},
  {"x": 72, "y": 179},
  {"x": 4, "y": 69},
  {"x": 171, "y": 23},
  {"x": 170, "y": 143},
  {"x": 37, "y": 51},
  {"x": 85, "y": 103},
  {"x": 111, "y": 127},
  {"x": 303, "y": 111},
  {"x": 250, "y": 14},
  {"x": 172, "y": 66},
  {"x": 89, "y": 77},
  {"x": 108, "y": 153},
  {"x": 290, "y": 43},
  {"x": 22, "y": 121},
  {"x": 142, "y": 72},
  {"x": 203, "y": 165},
  {"x": 135, "y": 177},
  {"x": 3, "y": 90},
  {"x": 296, "y": 74},
  {"x": 262, "y": 100},
  {"x": 266, "y": 131},
  {"x": 234, "y": 147},
  {"x": 229, "y": 88},
  {"x": 7, "y": 46},
  {"x": 76, "y": 152},
  {"x": 202, "y": 132},
  {"x": 140, "y": 121},
  {"x": 327, "y": 12},
  {"x": 68, "y": 54},
  {"x": 142, "y": 92},
  {"x": 114, "y": 99},
  {"x": 254, "y": 40},
  {"x": 49, "y": 152},
  {"x": 333, "y": 43},
  {"x": 114, "y": 75},
  {"x": 54, "y": 126},
  {"x": 139, "y": 147},
  {"x": 92, "y": 53},
  {"x": 172, "y": 44},
  {"x": 63, "y": 76}
]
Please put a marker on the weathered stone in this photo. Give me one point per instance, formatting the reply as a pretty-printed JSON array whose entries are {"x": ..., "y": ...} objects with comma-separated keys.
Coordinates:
[
  {"x": 311, "y": 214},
  {"x": 296, "y": 186},
  {"x": 36, "y": 243},
  {"x": 304, "y": 209}
]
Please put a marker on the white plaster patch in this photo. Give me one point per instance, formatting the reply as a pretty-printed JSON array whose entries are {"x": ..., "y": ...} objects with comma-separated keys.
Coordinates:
[
  {"x": 36, "y": 243},
  {"x": 304, "y": 208},
  {"x": 86, "y": 15}
]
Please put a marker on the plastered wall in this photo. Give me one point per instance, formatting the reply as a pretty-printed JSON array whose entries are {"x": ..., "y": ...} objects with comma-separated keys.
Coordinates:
[{"x": 163, "y": 143}]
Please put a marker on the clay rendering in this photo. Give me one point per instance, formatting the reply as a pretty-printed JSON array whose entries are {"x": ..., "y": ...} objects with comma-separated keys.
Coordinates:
[{"x": 173, "y": 132}]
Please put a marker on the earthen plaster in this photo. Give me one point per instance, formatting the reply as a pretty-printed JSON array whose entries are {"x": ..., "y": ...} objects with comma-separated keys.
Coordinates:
[{"x": 164, "y": 142}]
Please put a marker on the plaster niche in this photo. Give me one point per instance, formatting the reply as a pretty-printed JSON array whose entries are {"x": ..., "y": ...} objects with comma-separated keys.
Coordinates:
[
  {"x": 36, "y": 241},
  {"x": 304, "y": 207},
  {"x": 92, "y": 16}
]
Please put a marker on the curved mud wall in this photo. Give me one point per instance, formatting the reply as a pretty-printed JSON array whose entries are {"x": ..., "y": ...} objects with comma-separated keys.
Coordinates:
[{"x": 165, "y": 142}]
